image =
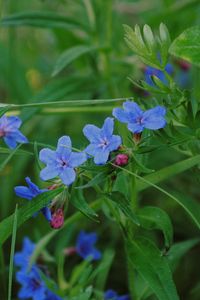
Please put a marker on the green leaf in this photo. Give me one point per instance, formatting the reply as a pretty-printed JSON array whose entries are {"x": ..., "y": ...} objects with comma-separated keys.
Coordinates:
[
  {"x": 148, "y": 261},
  {"x": 26, "y": 212},
  {"x": 124, "y": 205},
  {"x": 40, "y": 19},
  {"x": 178, "y": 250},
  {"x": 155, "y": 218},
  {"x": 100, "y": 177},
  {"x": 187, "y": 45},
  {"x": 166, "y": 173},
  {"x": 70, "y": 55},
  {"x": 149, "y": 38},
  {"x": 78, "y": 200}
]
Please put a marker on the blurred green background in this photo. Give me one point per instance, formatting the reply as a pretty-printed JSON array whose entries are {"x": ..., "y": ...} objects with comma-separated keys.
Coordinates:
[{"x": 31, "y": 43}]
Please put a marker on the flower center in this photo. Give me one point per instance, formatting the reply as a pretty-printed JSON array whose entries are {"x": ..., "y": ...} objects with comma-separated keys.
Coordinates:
[
  {"x": 103, "y": 143},
  {"x": 139, "y": 120},
  {"x": 35, "y": 284}
]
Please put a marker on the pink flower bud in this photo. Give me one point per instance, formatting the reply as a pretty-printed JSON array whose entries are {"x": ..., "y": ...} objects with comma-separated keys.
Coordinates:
[
  {"x": 57, "y": 219},
  {"x": 184, "y": 65},
  {"x": 121, "y": 159}
]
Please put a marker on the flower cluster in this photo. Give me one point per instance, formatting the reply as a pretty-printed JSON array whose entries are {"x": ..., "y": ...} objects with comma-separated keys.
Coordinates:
[
  {"x": 62, "y": 163},
  {"x": 32, "y": 285}
]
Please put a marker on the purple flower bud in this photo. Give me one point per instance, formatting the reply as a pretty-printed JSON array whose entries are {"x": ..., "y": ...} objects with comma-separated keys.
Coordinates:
[
  {"x": 121, "y": 159},
  {"x": 57, "y": 219}
]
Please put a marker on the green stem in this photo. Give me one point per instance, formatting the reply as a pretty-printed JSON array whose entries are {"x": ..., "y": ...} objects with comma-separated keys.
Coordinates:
[{"x": 131, "y": 228}]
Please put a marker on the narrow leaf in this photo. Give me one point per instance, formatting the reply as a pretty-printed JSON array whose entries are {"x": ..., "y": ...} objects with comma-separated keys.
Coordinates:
[
  {"x": 124, "y": 205},
  {"x": 100, "y": 177},
  {"x": 70, "y": 55},
  {"x": 148, "y": 261},
  {"x": 40, "y": 19},
  {"x": 178, "y": 250},
  {"x": 155, "y": 218},
  {"x": 78, "y": 200}
]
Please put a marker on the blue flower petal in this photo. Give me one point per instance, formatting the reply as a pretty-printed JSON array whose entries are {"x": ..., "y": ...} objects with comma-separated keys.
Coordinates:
[
  {"x": 34, "y": 189},
  {"x": 115, "y": 142},
  {"x": 13, "y": 121},
  {"x": 68, "y": 176},
  {"x": 154, "y": 118},
  {"x": 96, "y": 254},
  {"x": 85, "y": 245},
  {"x": 64, "y": 145},
  {"x": 10, "y": 142},
  {"x": 47, "y": 155},
  {"x": 77, "y": 158},
  {"x": 132, "y": 107},
  {"x": 135, "y": 128},
  {"x": 91, "y": 149},
  {"x": 18, "y": 136},
  {"x": 92, "y": 133},
  {"x": 108, "y": 127},
  {"x": 23, "y": 192},
  {"x": 120, "y": 115},
  {"x": 101, "y": 157},
  {"x": 49, "y": 172}
]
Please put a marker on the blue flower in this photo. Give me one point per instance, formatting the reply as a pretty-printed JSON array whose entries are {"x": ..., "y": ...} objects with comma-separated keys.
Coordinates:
[
  {"x": 21, "y": 259},
  {"x": 138, "y": 119},
  {"x": 112, "y": 295},
  {"x": 85, "y": 245},
  {"x": 31, "y": 192},
  {"x": 9, "y": 131},
  {"x": 51, "y": 296},
  {"x": 150, "y": 71},
  {"x": 32, "y": 285},
  {"x": 61, "y": 162},
  {"x": 102, "y": 141}
]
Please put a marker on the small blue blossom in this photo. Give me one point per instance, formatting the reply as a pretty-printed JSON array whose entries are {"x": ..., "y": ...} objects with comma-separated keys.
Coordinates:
[
  {"x": 112, "y": 295},
  {"x": 31, "y": 192},
  {"x": 150, "y": 71},
  {"x": 9, "y": 131},
  {"x": 102, "y": 141},
  {"x": 32, "y": 285},
  {"x": 51, "y": 296},
  {"x": 138, "y": 119},
  {"x": 21, "y": 259},
  {"x": 61, "y": 162},
  {"x": 85, "y": 245}
]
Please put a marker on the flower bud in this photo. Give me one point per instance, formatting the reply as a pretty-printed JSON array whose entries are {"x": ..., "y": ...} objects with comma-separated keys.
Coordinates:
[
  {"x": 121, "y": 160},
  {"x": 137, "y": 137},
  {"x": 57, "y": 219}
]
